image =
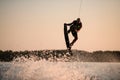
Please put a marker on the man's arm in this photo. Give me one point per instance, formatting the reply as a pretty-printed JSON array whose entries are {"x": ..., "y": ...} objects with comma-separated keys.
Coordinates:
[{"x": 69, "y": 24}]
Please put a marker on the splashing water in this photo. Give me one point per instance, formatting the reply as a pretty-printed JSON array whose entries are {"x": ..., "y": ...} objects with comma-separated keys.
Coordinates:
[
  {"x": 61, "y": 55},
  {"x": 45, "y": 70},
  {"x": 59, "y": 68}
]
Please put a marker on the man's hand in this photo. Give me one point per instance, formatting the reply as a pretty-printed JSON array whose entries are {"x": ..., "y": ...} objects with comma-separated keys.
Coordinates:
[{"x": 65, "y": 24}]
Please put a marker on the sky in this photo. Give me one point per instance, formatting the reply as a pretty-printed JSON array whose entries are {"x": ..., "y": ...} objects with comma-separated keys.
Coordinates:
[{"x": 38, "y": 24}]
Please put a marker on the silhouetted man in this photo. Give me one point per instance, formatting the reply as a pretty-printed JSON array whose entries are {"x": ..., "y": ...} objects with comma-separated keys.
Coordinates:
[{"x": 75, "y": 26}]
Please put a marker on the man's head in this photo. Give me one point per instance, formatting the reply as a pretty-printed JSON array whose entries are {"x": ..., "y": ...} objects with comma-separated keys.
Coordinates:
[{"x": 78, "y": 19}]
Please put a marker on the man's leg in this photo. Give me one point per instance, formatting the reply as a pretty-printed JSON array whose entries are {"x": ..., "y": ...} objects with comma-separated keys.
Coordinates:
[
  {"x": 74, "y": 33},
  {"x": 74, "y": 40}
]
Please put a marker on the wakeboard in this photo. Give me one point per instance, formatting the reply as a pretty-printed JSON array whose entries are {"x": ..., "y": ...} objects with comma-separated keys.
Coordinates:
[{"x": 67, "y": 37}]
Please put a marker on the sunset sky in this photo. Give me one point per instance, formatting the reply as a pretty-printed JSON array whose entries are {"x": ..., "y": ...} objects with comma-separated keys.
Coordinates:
[{"x": 38, "y": 24}]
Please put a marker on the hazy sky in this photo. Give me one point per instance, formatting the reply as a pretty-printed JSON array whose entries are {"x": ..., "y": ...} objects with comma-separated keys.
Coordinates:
[{"x": 38, "y": 24}]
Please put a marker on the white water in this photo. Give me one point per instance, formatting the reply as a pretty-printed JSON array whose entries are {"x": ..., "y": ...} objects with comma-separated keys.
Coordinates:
[{"x": 45, "y": 70}]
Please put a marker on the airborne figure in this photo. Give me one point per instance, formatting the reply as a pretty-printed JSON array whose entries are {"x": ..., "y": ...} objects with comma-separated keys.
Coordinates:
[{"x": 75, "y": 26}]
